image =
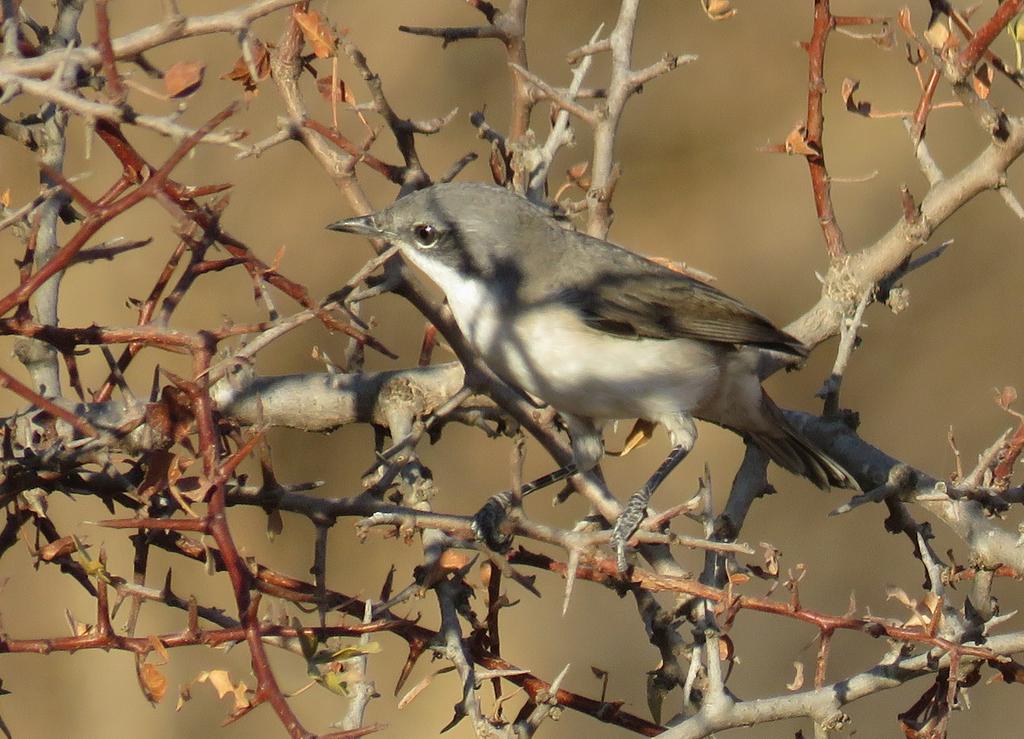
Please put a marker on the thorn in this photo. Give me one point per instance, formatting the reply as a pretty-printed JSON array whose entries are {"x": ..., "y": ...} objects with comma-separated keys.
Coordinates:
[{"x": 570, "y": 578}]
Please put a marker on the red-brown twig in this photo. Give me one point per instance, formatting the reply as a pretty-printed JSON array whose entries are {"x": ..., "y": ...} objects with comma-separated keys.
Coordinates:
[
  {"x": 605, "y": 571},
  {"x": 143, "y": 645},
  {"x": 392, "y": 172},
  {"x": 114, "y": 86},
  {"x": 19, "y": 388},
  {"x": 99, "y": 215},
  {"x": 821, "y": 184},
  {"x": 985, "y": 35}
]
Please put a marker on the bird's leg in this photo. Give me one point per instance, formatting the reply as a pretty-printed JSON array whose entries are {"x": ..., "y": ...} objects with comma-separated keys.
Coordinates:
[
  {"x": 683, "y": 434},
  {"x": 487, "y": 521},
  {"x": 549, "y": 479}
]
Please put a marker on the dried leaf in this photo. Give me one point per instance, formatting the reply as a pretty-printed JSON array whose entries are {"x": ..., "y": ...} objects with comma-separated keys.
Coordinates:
[
  {"x": 153, "y": 682},
  {"x": 849, "y": 87},
  {"x": 796, "y": 142},
  {"x": 316, "y": 31},
  {"x": 35, "y": 500},
  {"x": 158, "y": 464},
  {"x": 885, "y": 39},
  {"x": 904, "y": 20},
  {"x": 798, "y": 678},
  {"x": 221, "y": 682},
  {"x": 5, "y": 197},
  {"x": 981, "y": 81},
  {"x": 726, "y": 648},
  {"x": 922, "y": 611},
  {"x": 718, "y": 10},
  {"x": 59, "y": 548},
  {"x": 183, "y": 78},
  {"x": 240, "y": 72},
  {"x": 771, "y": 558},
  {"x": 576, "y": 171},
  {"x": 159, "y": 648},
  {"x": 1006, "y": 397},
  {"x": 499, "y": 166},
  {"x": 184, "y": 696},
  {"x": 332, "y": 91}
]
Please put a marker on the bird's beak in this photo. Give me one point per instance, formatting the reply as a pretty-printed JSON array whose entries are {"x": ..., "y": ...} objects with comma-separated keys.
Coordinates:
[{"x": 363, "y": 225}]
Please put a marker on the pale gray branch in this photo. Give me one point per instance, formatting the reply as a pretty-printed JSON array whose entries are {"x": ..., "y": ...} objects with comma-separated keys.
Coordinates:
[
  {"x": 824, "y": 704},
  {"x": 172, "y": 28}
]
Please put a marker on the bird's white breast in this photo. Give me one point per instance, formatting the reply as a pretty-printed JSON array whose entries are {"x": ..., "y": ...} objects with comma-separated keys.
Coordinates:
[{"x": 548, "y": 351}]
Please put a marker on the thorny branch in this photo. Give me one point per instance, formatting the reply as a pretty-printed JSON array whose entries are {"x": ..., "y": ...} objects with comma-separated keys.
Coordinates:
[{"x": 170, "y": 467}]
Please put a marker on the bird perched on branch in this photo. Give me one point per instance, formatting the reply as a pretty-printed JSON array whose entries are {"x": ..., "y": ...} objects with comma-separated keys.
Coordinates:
[{"x": 596, "y": 331}]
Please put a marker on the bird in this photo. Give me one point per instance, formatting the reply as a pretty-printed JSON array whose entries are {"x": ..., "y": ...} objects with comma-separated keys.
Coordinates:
[{"x": 596, "y": 331}]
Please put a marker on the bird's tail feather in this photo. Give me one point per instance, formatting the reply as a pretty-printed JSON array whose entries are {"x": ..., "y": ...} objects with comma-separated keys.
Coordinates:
[{"x": 793, "y": 451}]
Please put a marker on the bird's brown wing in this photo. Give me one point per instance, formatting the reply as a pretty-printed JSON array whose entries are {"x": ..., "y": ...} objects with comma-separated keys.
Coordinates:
[{"x": 663, "y": 304}]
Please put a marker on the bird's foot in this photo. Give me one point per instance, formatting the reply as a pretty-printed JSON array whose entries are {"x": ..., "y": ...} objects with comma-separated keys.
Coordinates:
[
  {"x": 627, "y": 524},
  {"x": 491, "y": 522}
]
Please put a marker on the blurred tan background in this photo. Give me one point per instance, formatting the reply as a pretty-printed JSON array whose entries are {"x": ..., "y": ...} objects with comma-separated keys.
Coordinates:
[{"x": 695, "y": 188}]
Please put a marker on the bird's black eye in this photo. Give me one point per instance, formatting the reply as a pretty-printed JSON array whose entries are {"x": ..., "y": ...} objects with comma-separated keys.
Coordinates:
[{"x": 425, "y": 234}]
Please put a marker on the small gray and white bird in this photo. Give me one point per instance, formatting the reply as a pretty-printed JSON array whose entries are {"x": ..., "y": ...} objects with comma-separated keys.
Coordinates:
[{"x": 594, "y": 330}]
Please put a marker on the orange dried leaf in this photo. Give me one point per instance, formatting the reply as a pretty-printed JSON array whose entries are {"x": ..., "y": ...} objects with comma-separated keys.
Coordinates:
[
  {"x": 577, "y": 170},
  {"x": 316, "y": 32},
  {"x": 726, "y": 648},
  {"x": 221, "y": 682},
  {"x": 241, "y": 72},
  {"x": 58, "y": 548},
  {"x": 860, "y": 108},
  {"x": 718, "y": 10},
  {"x": 159, "y": 648},
  {"x": 5, "y": 197},
  {"x": 153, "y": 682},
  {"x": 183, "y": 78},
  {"x": 798, "y": 678},
  {"x": 1006, "y": 397},
  {"x": 499, "y": 167},
  {"x": 981, "y": 81},
  {"x": 333, "y": 91},
  {"x": 796, "y": 142},
  {"x": 904, "y": 20},
  {"x": 771, "y": 558},
  {"x": 884, "y": 39},
  {"x": 158, "y": 465}
]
